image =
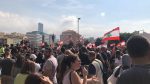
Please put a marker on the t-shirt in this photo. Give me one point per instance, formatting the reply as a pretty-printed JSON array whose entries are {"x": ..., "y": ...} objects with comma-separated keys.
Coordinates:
[
  {"x": 50, "y": 67},
  {"x": 37, "y": 67},
  {"x": 7, "y": 65},
  {"x": 138, "y": 74},
  {"x": 20, "y": 78}
]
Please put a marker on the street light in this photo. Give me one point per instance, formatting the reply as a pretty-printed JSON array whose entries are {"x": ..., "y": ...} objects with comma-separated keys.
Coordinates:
[{"x": 78, "y": 29}]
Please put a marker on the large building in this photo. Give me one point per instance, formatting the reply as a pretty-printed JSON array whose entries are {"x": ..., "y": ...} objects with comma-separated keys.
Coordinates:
[
  {"x": 12, "y": 38},
  {"x": 48, "y": 38},
  {"x": 40, "y": 27},
  {"x": 70, "y": 35},
  {"x": 35, "y": 38}
]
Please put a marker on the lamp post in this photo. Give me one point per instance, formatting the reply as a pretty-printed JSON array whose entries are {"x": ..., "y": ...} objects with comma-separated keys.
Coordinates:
[{"x": 78, "y": 29}]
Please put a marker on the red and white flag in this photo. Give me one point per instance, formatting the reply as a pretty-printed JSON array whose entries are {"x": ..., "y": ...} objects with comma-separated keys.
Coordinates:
[{"x": 112, "y": 35}]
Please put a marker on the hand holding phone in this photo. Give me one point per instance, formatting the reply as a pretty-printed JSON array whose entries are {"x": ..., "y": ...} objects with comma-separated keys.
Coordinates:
[{"x": 84, "y": 71}]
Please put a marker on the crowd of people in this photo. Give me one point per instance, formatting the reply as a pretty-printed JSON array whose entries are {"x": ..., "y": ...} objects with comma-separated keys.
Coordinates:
[{"x": 23, "y": 64}]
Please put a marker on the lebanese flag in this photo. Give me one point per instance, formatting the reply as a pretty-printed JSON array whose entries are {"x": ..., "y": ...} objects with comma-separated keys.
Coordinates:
[{"x": 112, "y": 35}]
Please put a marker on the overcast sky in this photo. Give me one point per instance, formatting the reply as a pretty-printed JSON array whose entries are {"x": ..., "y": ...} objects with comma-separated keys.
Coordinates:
[{"x": 97, "y": 16}]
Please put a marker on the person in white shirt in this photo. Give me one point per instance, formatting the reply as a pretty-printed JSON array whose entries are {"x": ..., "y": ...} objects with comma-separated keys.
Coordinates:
[
  {"x": 37, "y": 65},
  {"x": 50, "y": 66}
]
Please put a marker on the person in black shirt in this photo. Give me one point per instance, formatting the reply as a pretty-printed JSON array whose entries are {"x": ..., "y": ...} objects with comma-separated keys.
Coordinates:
[
  {"x": 6, "y": 65},
  {"x": 139, "y": 50},
  {"x": 83, "y": 55}
]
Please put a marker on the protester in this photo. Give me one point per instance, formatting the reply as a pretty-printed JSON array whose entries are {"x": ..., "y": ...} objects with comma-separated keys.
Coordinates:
[
  {"x": 98, "y": 55},
  {"x": 13, "y": 51},
  {"x": 69, "y": 75},
  {"x": 59, "y": 59},
  {"x": 139, "y": 50},
  {"x": 126, "y": 64},
  {"x": 61, "y": 56},
  {"x": 96, "y": 67},
  {"x": 40, "y": 59},
  {"x": 106, "y": 64},
  {"x": 118, "y": 58},
  {"x": 6, "y": 65},
  {"x": 68, "y": 72},
  {"x": 50, "y": 66},
  {"x": 83, "y": 55},
  {"x": 37, "y": 65}
]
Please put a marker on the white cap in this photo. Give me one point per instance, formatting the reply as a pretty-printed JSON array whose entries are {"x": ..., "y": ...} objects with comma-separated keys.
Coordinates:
[{"x": 33, "y": 56}]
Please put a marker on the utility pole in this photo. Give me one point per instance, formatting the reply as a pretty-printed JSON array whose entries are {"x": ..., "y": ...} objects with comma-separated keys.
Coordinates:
[{"x": 78, "y": 29}]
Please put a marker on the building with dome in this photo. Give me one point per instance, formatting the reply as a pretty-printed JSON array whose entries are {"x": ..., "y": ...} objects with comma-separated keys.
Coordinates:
[{"x": 69, "y": 35}]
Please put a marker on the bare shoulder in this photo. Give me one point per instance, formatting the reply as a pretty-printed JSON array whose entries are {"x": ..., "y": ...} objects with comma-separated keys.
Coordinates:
[{"x": 73, "y": 73}]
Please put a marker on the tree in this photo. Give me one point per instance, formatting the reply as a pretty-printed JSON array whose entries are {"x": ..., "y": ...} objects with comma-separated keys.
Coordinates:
[{"x": 125, "y": 36}]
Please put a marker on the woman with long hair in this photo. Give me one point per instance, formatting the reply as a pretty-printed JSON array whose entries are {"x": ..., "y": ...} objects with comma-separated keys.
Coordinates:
[{"x": 68, "y": 74}]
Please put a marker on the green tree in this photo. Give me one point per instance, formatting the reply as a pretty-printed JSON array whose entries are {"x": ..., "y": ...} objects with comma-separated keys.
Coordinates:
[{"x": 125, "y": 36}]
